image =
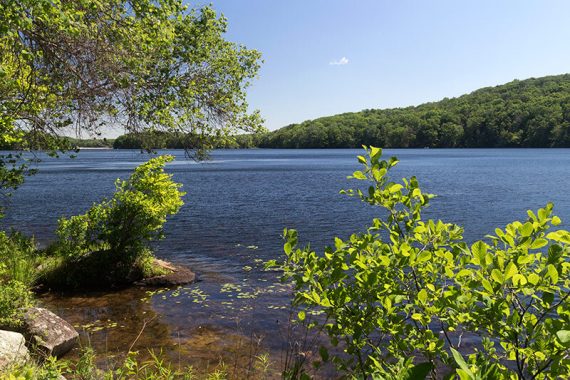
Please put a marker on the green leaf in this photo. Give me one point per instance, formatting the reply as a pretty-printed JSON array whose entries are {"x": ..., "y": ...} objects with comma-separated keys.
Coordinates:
[
  {"x": 422, "y": 296},
  {"x": 375, "y": 152},
  {"x": 384, "y": 260},
  {"x": 525, "y": 259},
  {"x": 510, "y": 270},
  {"x": 519, "y": 279},
  {"x": 461, "y": 362},
  {"x": 463, "y": 375},
  {"x": 314, "y": 296},
  {"x": 463, "y": 273},
  {"x": 358, "y": 175},
  {"x": 560, "y": 236},
  {"x": 424, "y": 256},
  {"x": 526, "y": 229},
  {"x": 552, "y": 273},
  {"x": 479, "y": 250},
  {"x": 531, "y": 215},
  {"x": 395, "y": 188},
  {"x": 325, "y": 302},
  {"x": 533, "y": 278},
  {"x": 538, "y": 243},
  {"x": 497, "y": 276},
  {"x": 338, "y": 243},
  {"x": 563, "y": 337},
  {"x": 487, "y": 285},
  {"x": 301, "y": 315}
]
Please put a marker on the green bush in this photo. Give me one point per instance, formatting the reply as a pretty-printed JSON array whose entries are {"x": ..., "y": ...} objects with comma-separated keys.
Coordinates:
[
  {"x": 400, "y": 298},
  {"x": 50, "y": 369},
  {"x": 15, "y": 297},
  {"x": 110, "y": 243}
]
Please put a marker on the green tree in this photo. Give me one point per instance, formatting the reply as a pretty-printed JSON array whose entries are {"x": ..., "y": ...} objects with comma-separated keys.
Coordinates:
[
  {"x": 141, "y": 64},
  {"x": 529, "y": 113}
]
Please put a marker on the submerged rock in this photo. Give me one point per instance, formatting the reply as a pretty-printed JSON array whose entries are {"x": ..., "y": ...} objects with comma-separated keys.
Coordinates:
[
  {"x": 48, "y": 333},
  {"x": 177, "y": 276},
  {"x": 13, "y": 350}
]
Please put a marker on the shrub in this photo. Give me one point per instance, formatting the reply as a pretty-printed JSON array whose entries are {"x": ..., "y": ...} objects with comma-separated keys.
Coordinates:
[
  {"x": 50, "y": 369},
  {"x": 399, "y": 298},
  {"x": 112, "y": 238},
  {"x": 131, "y": 219},
  {"x": 15, "y": 297}
]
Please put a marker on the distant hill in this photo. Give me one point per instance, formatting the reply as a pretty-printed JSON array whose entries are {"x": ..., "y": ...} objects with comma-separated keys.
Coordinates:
[{"x": 524, "y": 113}]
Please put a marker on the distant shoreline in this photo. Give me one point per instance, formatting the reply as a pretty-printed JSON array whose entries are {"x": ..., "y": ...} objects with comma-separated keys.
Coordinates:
[{"x": 95, "y": 148}]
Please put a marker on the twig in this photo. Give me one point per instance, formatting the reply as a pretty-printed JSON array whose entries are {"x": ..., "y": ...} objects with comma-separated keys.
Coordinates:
[{"x": 145, "y": 322}]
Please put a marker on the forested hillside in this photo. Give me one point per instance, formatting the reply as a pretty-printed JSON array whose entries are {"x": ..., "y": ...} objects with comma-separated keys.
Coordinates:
[{"x": 525, "y": 113}]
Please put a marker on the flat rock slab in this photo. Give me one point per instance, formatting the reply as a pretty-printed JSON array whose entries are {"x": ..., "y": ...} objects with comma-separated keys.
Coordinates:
[
  {"x": 178, "y": 276},
  {"x": 13, "y": 349},
  {"x": 48, "y": 333}
]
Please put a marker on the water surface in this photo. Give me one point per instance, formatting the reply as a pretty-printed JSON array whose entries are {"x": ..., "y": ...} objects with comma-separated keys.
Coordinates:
[{"x": 235, "y": 209}]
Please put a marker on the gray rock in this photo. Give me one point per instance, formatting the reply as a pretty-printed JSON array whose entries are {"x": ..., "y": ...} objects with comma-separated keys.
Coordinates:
[
  {"x": 13, "y": 349},
  {"x": 48, "y": 333},
  {"x": 178, "y": 275}
]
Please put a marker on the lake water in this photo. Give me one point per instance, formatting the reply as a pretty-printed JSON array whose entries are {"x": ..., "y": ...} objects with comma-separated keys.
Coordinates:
[{"x": 235, "y": 209}]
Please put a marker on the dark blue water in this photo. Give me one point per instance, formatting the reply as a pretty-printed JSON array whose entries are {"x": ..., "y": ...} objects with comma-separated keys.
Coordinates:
[{"x": 245, "y": 198}]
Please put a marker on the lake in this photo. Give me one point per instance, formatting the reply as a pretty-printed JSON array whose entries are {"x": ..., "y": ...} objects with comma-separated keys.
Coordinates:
[{"x": 236, "y": 207}]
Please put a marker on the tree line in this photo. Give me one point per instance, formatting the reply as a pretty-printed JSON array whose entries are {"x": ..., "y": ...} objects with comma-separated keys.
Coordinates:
[{"x": 523, "y": 113}]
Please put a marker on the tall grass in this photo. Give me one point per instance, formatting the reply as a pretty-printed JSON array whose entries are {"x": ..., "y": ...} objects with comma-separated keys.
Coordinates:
[
  {"x": 18, "y": 272},
  {"x": 18, "y": 258}
]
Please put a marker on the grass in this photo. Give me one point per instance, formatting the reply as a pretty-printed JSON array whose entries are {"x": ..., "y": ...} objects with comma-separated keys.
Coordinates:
[
  {"x": 131, "y": 368},
  {"x": 18, "y": 273}
]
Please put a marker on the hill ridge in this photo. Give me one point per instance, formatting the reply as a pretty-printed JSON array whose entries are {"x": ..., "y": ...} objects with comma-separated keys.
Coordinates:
[{"x": 533, "y": 112}]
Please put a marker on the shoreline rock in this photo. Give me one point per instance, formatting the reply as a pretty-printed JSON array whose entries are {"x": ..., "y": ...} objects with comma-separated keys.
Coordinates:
[
  {"x": 47, "y": 333},
  {"x": 179, "y": 275},
  {"x": 13, "y": 350}
]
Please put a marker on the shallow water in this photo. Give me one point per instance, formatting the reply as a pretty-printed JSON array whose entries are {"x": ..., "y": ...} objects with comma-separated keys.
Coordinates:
[{"x": 236, "y": 207}]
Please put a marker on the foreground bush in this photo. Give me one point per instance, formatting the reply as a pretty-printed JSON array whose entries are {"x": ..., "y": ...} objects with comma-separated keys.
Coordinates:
[
  {"x": 402, "y": 298},
  {"x": 109, "y": 244},
  {"x": 15, "y": 297}
]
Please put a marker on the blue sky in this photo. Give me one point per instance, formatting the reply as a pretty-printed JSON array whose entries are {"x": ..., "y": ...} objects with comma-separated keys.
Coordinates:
[{"x": 393, "y": 53}]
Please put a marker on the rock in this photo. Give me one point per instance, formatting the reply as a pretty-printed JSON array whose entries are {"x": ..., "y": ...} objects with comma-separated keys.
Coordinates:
[
  {"x": 178, "y": 276},
  {"x": 13, "y": 349},
  {"x": 47, "y": 332}
]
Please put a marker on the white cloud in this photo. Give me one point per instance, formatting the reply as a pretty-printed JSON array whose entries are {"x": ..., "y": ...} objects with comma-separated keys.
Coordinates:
[{"x": 342, "y": 61}]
